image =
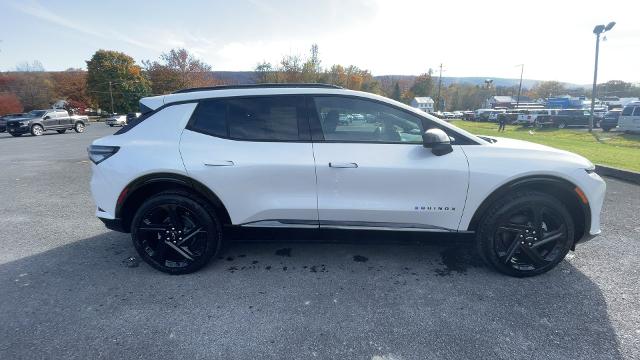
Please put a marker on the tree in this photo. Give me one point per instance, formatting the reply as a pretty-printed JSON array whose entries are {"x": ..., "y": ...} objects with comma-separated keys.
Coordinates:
[
  {"x": 423, "y": 85},
  {"x": 71, "y": 85},
  {"x": 545, "y": 89},
  {"x": 397, "y": 93},
  {"x": 34, "y": 89},
  {"x": 9, "y": 103},
  {"x": 177, "y": 69},
  {"x": 115, "y": 73}
]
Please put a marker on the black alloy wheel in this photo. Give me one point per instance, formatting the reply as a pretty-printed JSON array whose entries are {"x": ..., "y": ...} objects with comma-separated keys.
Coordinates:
[
  {"x": 175, "y": 233},
  {"x": 526, "y": 235}
]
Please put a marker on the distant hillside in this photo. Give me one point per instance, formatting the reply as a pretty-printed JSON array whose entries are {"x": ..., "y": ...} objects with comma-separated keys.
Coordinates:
[{"x": 248, "y": 77}]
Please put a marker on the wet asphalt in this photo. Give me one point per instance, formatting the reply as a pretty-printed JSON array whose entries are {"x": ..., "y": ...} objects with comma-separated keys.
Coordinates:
[{"x": 71, "y": 289}]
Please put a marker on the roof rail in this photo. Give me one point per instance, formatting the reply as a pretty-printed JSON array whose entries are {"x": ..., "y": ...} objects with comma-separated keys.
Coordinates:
[{"x": 258, "y": 86}]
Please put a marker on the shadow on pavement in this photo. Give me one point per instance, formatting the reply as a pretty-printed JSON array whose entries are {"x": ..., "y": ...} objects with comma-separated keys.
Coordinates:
[{"x": 91, "y": 299}]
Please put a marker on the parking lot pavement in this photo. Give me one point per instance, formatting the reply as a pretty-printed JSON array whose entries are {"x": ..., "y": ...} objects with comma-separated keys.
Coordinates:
[{"x": 69, "y": 288}]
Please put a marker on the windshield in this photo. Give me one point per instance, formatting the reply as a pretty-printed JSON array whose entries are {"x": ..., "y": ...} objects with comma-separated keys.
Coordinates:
[{"x": 36, "y": 113}]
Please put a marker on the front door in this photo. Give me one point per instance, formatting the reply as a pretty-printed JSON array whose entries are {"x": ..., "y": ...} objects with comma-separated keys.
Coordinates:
[
  {"x": 255, "y": 154},
  {"x": 373, "y": 171},
  {"x": 50, "y": 120}
]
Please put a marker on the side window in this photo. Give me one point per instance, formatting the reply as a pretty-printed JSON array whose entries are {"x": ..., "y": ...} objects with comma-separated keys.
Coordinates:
[
  {"x": 636, "y": 112},
  {"x": 627, "y": 111},
  {"x": 275, "y": 118},
  {"x": 210, "y": 117},
  {"x": 265, "y": 118},
  {"x": 359, "y": 120}
]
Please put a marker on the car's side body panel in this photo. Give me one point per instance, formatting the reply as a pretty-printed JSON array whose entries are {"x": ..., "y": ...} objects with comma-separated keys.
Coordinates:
[{"x": 151, "y": 147}]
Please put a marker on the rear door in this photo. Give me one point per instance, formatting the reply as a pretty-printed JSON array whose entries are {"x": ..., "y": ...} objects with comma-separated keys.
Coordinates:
[
  {"x": 255, "y": 154},
  {"x": 375, "y": 173},
  {"x": 64, "y": 120}
]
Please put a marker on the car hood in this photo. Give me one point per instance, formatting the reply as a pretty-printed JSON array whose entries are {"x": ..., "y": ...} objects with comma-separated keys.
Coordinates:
[
  {"x": 530, "y": 149},
  {"x": 20, "y": 119}
]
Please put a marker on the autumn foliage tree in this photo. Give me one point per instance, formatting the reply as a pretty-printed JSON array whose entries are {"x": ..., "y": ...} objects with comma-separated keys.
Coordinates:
[
  {"x": 9, "y": 103},
  {"x": 112, "y": 73},
  {"x": 177, "y": 69}
]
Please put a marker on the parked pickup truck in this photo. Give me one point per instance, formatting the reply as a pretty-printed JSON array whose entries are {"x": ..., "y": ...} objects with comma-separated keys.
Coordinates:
[
  {"x": 37, "y": 122},
  {"x": 564, "y": 118},
  {"x": 529, "y": 117}
]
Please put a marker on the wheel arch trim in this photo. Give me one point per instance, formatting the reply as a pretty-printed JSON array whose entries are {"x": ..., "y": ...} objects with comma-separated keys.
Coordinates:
[{"x": 534, "y": 180}]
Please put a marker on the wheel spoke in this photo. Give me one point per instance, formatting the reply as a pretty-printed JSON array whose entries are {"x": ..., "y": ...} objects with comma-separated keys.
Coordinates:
[
  {"x": 512, "y": 250},
  {"x": 191, "y": 234},
  {"x": 537, "y": 217},
  {"x": 150, "y": 228},
  {"x": 550, "y": 237},
  {"x": 533, "y": 255},
  {"x": 175, "y": 217},
  {"x": 179, "y": 250},
  {"x": 160, "y": 251}
]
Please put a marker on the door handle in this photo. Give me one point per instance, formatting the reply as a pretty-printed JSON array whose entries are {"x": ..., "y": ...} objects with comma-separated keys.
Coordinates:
[
  {"x": 343, "y": 165},
  {"x": 220, "y": 163}
]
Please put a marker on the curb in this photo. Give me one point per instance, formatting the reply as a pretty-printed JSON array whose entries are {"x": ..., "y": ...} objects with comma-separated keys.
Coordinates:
[{"x": 627, "y": 175}]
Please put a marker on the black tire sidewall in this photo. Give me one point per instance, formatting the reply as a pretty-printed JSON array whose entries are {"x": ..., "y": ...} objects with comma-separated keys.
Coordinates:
[
  {"x": 486, "y": 242},
  {"x": 202, "y": 211}
]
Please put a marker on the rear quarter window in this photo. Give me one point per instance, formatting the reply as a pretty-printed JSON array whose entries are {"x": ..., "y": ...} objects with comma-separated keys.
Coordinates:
[{"x": 627, "y": 111}]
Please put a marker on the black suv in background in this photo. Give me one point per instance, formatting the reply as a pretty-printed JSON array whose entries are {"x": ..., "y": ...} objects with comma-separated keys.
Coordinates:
[
  {"x": 565, "y": 118},
  {"x": 7, "y": 117},
  {"x": 610, "y": 119},
  {"x": 37, "y": 122}
]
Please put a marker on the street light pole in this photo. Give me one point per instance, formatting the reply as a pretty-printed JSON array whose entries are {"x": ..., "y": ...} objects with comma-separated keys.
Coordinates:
[
  {"x": 520, "y": 86},
  {"x": 599, "y": 29},
  {"x": 439, "y": 86},
  {"x": 111, "y": 95}
]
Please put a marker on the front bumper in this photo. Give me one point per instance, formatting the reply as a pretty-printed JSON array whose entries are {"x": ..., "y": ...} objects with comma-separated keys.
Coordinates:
[
  {"x": 113, "y": 224},
  {"x": 22, "y": 129}
]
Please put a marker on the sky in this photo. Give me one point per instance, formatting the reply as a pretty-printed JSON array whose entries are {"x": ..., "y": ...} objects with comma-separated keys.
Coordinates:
[{"x": 488, "y": 38}]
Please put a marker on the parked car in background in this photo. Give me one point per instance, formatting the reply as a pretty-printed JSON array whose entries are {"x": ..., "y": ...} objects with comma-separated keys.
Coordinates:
[
  {"x": 493, "y": 115},
  {"x": 528, "y": 117},
  {"x": 565, "y": 118},
  {"x": 629, "y": 120},
  {"x": 116, "y": 120},
  {"x": 458, "y": 114},
  {"x": 448, "y": 115},
  {"x": 610, "y": 119},
  {"x": 5, "y": 118},
  {"x": 469, "y": 116},
  {"x": 37, "y": 122}
]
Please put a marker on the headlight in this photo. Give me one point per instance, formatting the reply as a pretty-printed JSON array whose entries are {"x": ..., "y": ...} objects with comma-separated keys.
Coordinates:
[{"x": 100, "y": 153}]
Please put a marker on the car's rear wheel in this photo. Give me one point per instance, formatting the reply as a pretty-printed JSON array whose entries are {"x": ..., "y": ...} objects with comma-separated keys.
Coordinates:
[
  {"x": 525, "y": 234},
  {"x": 606, "y": 129},
  {"x": 111, "y": 125},
  {"x": 62, "y": 131},
  {"x": 79, "y": 127},
  {"x": 37, "y": 130},
  {"x": 176, "y": 233}
]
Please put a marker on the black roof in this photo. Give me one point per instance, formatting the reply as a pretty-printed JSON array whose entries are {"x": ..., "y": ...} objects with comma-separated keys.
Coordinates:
[{"x": 258, "y": 86}]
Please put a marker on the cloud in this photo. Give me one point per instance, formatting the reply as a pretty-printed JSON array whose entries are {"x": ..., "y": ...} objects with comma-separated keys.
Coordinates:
[{"x": 35, "y": 9}]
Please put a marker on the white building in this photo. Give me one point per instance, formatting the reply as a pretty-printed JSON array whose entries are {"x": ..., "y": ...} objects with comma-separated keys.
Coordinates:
[{"x": 423, "y": 103}]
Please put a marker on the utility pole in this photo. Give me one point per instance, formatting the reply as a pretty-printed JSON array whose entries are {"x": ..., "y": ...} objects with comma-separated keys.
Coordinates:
[
  {"x": 439, "y": 86},
  {"x": 111, "y": 95},
  {"x": 520, "y": 86},
  {"x": 599, "y": 29}
]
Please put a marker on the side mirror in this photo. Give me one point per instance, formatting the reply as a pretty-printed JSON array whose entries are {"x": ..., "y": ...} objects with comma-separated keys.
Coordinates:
[
  {"x": 47, "y": 118},
  {"x": 438, "y": 141}
]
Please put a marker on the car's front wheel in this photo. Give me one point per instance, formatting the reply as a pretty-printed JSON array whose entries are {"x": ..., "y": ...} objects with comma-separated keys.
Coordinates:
[
  {"x": 37, "y": 130},
  {"x": 176, "y": 233},
  {"x": 525, "y": 234}
]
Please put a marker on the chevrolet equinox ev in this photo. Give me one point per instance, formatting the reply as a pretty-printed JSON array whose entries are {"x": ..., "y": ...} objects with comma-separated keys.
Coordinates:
[{"x": 199, "y": 161}]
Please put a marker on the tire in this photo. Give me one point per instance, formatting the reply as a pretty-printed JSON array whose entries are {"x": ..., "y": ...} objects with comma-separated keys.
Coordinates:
[
  {"x": 159, "y": 224},
  {"x": 16, "y": 135},
  {"x": 509, "y": 236},
  {"x": 562, "y": 125},
  {"x": 606, "y": 129},
  {"x": 62, "y": 131},
  {"x": 79, "y": 127},
  {"x": 37, "y": 130},
  {"x": 110, "y": 125}
]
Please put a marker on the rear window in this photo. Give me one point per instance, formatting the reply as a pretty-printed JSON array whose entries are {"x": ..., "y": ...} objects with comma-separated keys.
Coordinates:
[{"x": 275, "y": 118}]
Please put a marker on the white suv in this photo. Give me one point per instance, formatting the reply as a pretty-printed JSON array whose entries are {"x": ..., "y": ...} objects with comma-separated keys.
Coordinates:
[{"x": 203, "y": 160}]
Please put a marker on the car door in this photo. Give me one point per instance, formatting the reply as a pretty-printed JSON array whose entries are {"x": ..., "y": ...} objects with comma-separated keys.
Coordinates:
[
  {"x": 256, "y": 155},
  {"x": 50, "y": 120},
  {"x": 375, "y": 172},
  {"x": 64, "y": 120}
]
